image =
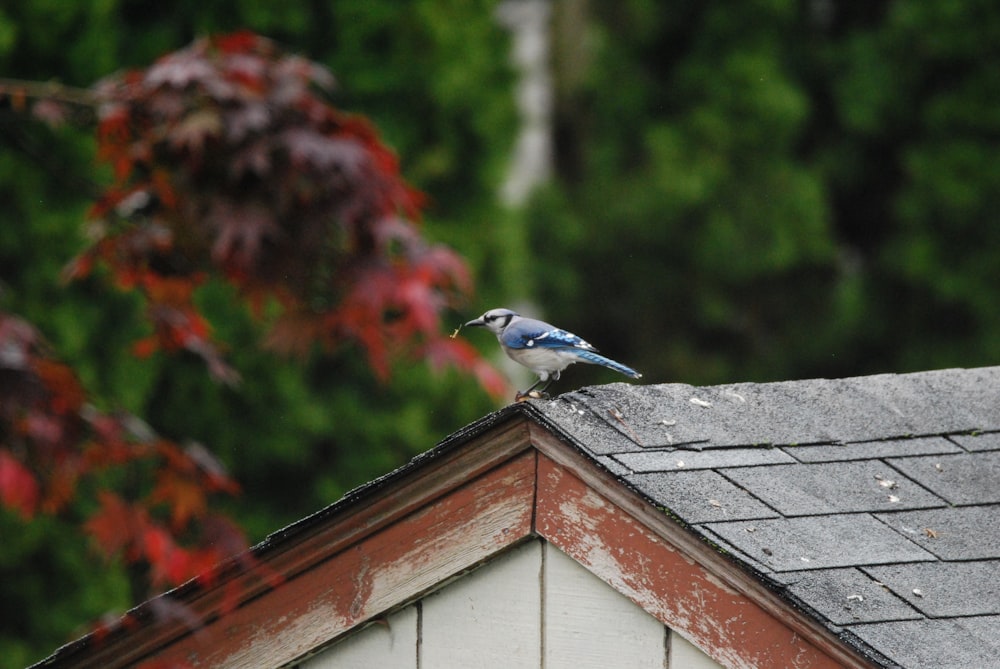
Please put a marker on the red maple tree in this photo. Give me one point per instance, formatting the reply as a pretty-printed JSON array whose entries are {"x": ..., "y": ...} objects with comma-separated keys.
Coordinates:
[{"x": 228, "y": 162}]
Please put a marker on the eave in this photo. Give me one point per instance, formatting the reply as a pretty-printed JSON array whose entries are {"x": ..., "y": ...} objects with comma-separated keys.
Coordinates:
[{"x": 505, "y": 479}]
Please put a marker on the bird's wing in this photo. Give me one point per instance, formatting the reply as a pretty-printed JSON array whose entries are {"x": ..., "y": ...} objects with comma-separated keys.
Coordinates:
[{"x": 529, "y": 333}]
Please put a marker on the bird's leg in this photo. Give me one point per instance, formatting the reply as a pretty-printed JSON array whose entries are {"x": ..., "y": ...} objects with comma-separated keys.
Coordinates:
[
  {"x": 528, "y": 394},
  {"x": 531, "y": 393}
]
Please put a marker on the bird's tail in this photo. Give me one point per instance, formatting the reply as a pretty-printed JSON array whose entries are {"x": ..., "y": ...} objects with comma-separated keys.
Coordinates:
[{"x": 598, "y": 359}]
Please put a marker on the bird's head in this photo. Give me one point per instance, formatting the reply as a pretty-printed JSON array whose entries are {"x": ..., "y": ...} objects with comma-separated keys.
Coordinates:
[{"x": 494, "y": 320}]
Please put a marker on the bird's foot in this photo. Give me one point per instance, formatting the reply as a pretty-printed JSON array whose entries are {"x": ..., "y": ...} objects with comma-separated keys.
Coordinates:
[{"x": 530, "y": 395}]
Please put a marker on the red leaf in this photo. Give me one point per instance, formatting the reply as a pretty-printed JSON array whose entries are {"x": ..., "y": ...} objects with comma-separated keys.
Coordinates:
[
  {"x": 310, "y": 150},
  {"x": 145, "y": 347},
  {"x": 242, "y": 41},
  {"x": 43, "y": 428},
  {"x": 157, "y": 543},
  {"x": 184, "y": 497},
  {"x": 463, "y": 356},
  {"x": 117, "y": 527},
  {"x": 178, "y": 70},
  {"x": 18, "y": 486},
  {"x": 67, "y": 394},
  {"x": 61, "y": 485}
]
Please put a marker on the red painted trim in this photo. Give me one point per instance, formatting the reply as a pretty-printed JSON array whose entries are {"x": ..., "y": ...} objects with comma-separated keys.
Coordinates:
[
  {"x": 455, "y": 512},
  {"x": 612, "y": 544},
  {"x": 394, "y": 564}
]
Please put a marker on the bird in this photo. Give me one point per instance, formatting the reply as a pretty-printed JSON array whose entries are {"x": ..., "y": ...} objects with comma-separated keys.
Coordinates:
[{"x": 543, "y": 348}]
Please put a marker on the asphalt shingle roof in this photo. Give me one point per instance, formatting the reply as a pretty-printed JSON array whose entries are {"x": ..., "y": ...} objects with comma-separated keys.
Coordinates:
[{"x": 873, "y": 503}]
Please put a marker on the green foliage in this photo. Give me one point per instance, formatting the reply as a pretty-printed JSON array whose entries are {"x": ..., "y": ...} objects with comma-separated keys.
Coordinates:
[
  {"x": 698, "y": 179},
  {"x": 65, "y": 589},
  {"x": 297, "y": 434},
  {"x": 747, "y": 191},
  {"x": 786, "y": 192}
]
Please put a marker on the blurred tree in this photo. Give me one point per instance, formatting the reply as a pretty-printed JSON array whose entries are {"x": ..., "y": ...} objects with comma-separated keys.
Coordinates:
[
  {"x": 792, "y": 188},
  {"x": 295, "y": 436},
  {"x": 762, "y": 190}
]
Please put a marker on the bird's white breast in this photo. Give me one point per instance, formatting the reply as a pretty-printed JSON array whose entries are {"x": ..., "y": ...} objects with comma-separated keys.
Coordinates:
[{"x": 541, "y": 360}]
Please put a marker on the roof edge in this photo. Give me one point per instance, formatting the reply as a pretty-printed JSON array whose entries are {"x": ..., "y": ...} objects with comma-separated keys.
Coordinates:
[{"x": 235, "y": 568}]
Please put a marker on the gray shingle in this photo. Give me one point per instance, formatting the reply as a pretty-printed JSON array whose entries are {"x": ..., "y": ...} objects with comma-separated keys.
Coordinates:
[
  {"x": 817, "y": 542},
  {"x": 848, "y": 596},
  {"x": 925, "y": 400},
  {"x": 966, "y": 399},
  {"x": 843, "y": 411},
  {"x": 756, "y": 414},
  {"x": 655, "y": 416},
  {"x": 944, "y": 589},
  {"x": 868, "y": 408},
  {"x": 980, "y": 442},
  {"x": 950, "y": 643},
  {"x": 967, "y": 478},
  {"x": 952, "y": 533},
  {"x": 675, "y": 459},
  {"x": 700, "y": 496},
  {"x": 867, "y": 450},
  {"x": 827, "y": 489},
  {"x": 613, "y": 466},
  {"x": 833, "y": 487},
  {"x": 575, "y": 419}
]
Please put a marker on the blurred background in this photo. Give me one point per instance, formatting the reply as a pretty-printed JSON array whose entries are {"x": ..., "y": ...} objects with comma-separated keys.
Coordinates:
[{"x": 710, "y": 192}]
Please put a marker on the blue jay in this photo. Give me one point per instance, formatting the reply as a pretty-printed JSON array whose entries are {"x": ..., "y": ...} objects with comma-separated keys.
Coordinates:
[{"x": 544, "y": 349}]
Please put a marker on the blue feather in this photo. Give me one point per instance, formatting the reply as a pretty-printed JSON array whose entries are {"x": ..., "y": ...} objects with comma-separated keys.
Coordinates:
[
  {"x": 544, "y": 349},
  {"x": 529, "y": 333},
  {"x": 599, "y": 359}
]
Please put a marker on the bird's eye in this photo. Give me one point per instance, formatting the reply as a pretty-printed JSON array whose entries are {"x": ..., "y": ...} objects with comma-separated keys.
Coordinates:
[{"x": 489, "y": 318}]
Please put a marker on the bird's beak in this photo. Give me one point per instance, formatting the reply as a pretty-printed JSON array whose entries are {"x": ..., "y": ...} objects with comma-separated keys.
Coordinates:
[{"x": 479, "y": 322}]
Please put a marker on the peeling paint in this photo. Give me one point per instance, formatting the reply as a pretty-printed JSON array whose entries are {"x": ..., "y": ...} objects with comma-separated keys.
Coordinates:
[
  {"x": 682, "y": 594},
  {"x": 362, "y": 588},
  {"x": 394, "y": 551}
]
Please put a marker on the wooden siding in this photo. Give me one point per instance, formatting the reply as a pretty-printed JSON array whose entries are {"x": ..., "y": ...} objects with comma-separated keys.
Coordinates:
[
  {"x": 490, "y": 618},
  {"x": 590, "y": 624},
  {"x": 664, "y": 581},
  {"x": 411, "y": 549},
  {"x": 390, "y": 644},
  {"x": 363, "y": 564},
  {"x": 531, "y": 607}
]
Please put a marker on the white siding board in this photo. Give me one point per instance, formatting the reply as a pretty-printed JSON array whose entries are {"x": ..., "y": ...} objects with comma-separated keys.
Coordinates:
[
  {"x": 533, "y": 606},
  {"x": 590, "y": 624},
  {"x": 488, "y": 619},
  {"x": 685, "y": 655},
  {"x": 392, "y": 644}
]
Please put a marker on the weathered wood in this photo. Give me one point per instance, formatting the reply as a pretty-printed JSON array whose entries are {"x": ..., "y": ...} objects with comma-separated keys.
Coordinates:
[
  {"x": 416, "y": 531},
  {"x": 387, "y": 643},
  {"x": 287, "y": 554},
  {"x": 382, "y": 570},
  {"x": 718, "y": 571},
  {"x": 531, "y": 606},
  {"x": 671, "y": 586},
  {"x": 490, "y": 618},
  {"x": 685, "y": 655}
]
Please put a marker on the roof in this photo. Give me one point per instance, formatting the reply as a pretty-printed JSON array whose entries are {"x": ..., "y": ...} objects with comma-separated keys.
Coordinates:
[
  {"x": 873, "y": 503},
  {"x": 858, "y": 520}
]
